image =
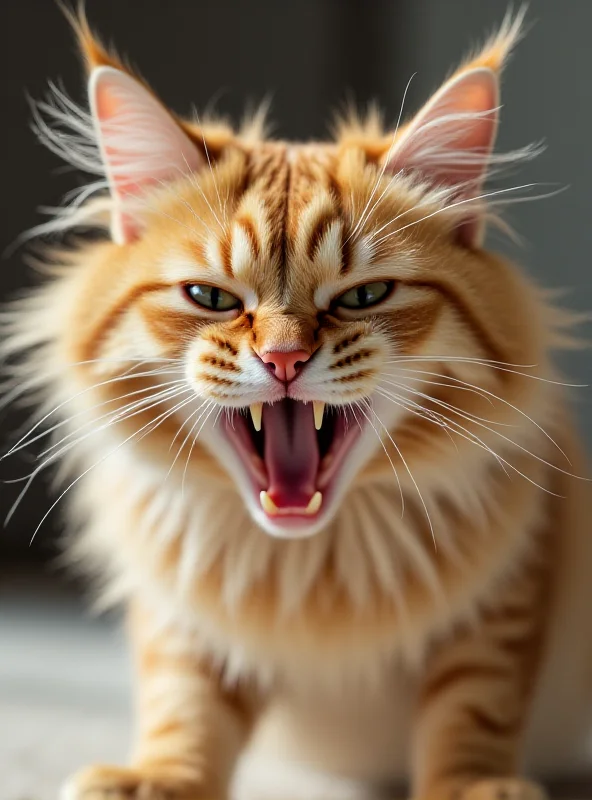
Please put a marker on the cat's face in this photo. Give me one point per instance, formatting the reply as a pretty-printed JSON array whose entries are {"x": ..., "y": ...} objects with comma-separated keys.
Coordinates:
[
  {"x": 285, "y": 281},
  {"x": 295, "y": 319}
]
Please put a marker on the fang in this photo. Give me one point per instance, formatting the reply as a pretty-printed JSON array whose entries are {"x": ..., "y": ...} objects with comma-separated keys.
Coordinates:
[
  {"x": 315, "y": 503},
  {"x": 318, "y": 410},
  {"x": 268, "y": 505},
  {"x": 256, "y": 410}
]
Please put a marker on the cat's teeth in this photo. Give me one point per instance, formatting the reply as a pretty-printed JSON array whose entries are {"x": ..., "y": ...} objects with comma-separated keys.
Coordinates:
[
  {"x": 315, "y": 503},
  {"x": 319, "y": 410},
  {"x": 268, "y": 505},
  {"x": 256, "y": 410}
]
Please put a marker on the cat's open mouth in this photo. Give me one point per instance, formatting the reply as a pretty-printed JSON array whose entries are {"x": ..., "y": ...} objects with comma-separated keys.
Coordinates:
[{"x": 292, "y": 451}]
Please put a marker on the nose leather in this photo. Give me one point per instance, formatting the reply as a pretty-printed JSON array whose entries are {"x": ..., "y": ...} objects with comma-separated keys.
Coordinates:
[{"x": 285, "y": 365}]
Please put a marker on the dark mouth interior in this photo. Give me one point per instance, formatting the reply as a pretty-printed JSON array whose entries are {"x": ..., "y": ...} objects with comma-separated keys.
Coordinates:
[
  {"x": 291, "y": 463},
  {"x": 324, "y": 435}
]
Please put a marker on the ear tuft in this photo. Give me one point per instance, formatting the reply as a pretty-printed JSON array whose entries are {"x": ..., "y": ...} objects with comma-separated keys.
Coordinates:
[
  {"x": 449, "y": 143},
  {"x": 496, "y": 51},
  {"x": 92, "y": 49}
]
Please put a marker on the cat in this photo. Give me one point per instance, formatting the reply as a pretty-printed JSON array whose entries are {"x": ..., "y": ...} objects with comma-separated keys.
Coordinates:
[{"x": 313, "y": 440}]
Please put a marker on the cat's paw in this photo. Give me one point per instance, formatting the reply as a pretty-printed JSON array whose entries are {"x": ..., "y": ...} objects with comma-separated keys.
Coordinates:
[
  {"x": 503, "y": 789},
  {"x": 120, "y": 783}
]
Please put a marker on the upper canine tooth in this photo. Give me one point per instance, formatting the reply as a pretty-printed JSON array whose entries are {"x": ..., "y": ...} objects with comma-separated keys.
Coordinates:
[
  {"x": 256, "y": 410},
  {"x": 318, "y": 410},
  {"x": 315, "y": 503},
  {"x": 268, "y": 505}
]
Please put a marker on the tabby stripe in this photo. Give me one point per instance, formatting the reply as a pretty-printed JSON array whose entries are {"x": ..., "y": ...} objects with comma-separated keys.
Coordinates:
[
  {"x": 100, "y": 333},
  {"x": 460, "y": 672},
  {"x": 226, "y": 254},
  {"x": 347, "y": 245},
  {"x": 485, "y": 721},
  {"x": 458, "y": 302},
  {"x": 325, "y": 220},
  {"x": 248, "y": 226}
]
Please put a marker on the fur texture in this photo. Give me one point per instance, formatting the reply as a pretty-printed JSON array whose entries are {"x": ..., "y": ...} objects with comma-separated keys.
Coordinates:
[{"x": 429, "y": 623}]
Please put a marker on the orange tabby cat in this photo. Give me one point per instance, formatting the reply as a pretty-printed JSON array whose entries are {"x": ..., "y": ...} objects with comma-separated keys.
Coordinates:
[{"x": 315, "y": 443}]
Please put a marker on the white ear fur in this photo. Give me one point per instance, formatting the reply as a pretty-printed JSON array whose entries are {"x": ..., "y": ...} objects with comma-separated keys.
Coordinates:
[
  {"x": 139, "y": 141},
  {"x": 450, "y": 141}
]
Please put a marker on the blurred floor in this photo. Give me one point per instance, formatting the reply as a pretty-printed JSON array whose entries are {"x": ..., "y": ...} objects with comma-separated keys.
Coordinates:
[{"x": 64, "y": 689}]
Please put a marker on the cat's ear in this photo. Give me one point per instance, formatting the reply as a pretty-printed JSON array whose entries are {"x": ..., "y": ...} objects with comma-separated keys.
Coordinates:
[
  {"x": 449, "y": 142},
  {"x": 140, "y": 142}
]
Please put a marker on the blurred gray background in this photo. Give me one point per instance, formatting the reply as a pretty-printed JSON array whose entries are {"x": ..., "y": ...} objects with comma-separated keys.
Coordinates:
[{"x": 309, "y": 56}]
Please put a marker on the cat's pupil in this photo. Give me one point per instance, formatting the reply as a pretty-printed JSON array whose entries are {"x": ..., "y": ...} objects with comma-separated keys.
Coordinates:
[
  {"x": 362, "y": 295},
  {"x": 214, "y": 297}
]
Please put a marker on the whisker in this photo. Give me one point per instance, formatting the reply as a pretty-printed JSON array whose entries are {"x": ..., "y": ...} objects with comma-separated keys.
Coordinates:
[
  {"x": 80, "y": 394},
  {"x": 388, "y": 455},
  {"x": 49, "y": 460},
  {"x": 456, "y": 204},
  {"x": 205, "y": 403},
  {"x": 400, "y": 454},
  {"x": 365, "y": 216},
  {"x": 195, "y": 183},
  {"x": 195, "y": 438},
  {"x": 437, "y": 419},
  {"x": 68, "y": 420},
  {"x": 495, "y": 397},
  {"x": 492, "y": 365},
  {"x": 465, "y": 388},
  {"x": 466, "y": 414},
  {"x": 482, "y": 424},
  {"x": 161, "y": 417},
  {"x": 207, "y": 152},
  {"x": 474, "y": 439},
  {"x": 119, "y": 414}
]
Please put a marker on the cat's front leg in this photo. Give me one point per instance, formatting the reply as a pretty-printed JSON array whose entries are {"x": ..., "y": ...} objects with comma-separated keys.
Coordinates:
[
  {"x": 475, "y": 698},
  {"x": 190, "y": 728}
]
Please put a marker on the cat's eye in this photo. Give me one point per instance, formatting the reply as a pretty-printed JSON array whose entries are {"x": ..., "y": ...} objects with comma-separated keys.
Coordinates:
[
  {"x": 365, "y": 295},
  {"x": 212, "y": 297}
]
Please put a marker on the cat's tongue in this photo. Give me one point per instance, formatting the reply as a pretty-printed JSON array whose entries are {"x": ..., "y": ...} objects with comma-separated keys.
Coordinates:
[{"x": 291, "y": 453}]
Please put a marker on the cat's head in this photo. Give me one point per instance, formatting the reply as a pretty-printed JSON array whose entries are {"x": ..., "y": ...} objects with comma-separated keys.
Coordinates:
[{"x": 290, "y": 285}]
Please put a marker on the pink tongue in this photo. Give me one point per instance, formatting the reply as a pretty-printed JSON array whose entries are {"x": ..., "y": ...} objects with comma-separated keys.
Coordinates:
[{"x": 291, "y": 453}]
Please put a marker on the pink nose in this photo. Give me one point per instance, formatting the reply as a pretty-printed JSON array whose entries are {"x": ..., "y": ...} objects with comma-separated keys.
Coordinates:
[{"x": 286, "y": 365}]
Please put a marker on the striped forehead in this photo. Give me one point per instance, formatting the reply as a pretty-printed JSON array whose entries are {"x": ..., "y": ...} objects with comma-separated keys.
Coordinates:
[{"x": 288, "y": 224}]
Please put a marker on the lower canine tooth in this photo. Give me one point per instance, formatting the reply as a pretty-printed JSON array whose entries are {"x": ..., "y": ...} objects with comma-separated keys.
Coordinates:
[
  {"x": 315, "y": 503},
  {"x": 268, "y": 505},
  {"x": 256, "y": 410},
  {"x": 318, "y": 410}
]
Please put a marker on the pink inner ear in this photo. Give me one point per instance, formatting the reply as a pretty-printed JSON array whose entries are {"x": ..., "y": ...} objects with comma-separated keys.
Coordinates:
[
  {"x": 140, "y": 142},
  {"x": 450, "y": 140}
]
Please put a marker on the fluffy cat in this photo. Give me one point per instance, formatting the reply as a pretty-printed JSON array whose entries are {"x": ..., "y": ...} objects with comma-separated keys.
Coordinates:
[{"x": 313, "y": 439}]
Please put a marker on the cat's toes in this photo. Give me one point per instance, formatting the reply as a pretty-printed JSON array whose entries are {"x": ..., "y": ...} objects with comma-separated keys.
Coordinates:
[
  {"x": 504, "y": 789},
  {"x": 119, "y": 783}
]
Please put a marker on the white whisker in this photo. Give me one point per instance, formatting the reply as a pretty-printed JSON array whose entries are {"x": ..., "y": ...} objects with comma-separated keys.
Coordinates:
[
  {"x": 161, "y": 418},
  {"x": 365, "y": 215},
  {"x": 68, "y": 420},
  {"x": 397, "y": 448},
  {"x": 195, "y": 438},
  {"x": 488, "y": 394},
  {"x": 388, "y": 455},
  {"x": 82, "y": 392},
  {"x": 448, "y": 207}
]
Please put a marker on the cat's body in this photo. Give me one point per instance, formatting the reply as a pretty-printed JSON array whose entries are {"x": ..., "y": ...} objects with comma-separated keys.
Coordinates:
[
  {"x": 350, "y": 713},
  {"x": 393, "y": 590}
]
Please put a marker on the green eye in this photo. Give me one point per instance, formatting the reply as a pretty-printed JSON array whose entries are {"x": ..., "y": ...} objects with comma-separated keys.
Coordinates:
[
  {"x": 364, "y": 295},
  {"x": 212, "y": 297}
]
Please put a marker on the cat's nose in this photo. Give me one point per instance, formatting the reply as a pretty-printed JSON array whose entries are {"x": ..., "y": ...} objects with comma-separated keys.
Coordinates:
[{"x": 286, "y": 366}]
